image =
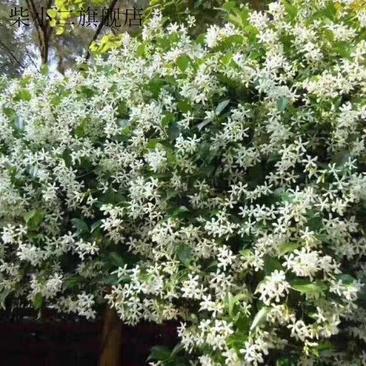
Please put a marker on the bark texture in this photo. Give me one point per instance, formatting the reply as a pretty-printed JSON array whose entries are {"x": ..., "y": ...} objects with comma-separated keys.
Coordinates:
[{"x": 111, "y": 354}]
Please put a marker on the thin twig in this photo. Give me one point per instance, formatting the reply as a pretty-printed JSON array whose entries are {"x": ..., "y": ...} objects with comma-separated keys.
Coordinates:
[
  {"x": 32, "y": 60},
  {"x": 100, "y": 26},
  {"x": 6, "y": 48}
]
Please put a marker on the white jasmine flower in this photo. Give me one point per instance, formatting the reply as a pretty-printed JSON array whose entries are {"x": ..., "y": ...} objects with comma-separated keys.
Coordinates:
[
  {"x": 273, "y": 287},
  {"x": 156, "y": 159}
]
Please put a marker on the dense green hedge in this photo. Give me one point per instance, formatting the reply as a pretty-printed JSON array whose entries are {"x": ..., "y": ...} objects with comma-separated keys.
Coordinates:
[{"x": 218, "y": 180}]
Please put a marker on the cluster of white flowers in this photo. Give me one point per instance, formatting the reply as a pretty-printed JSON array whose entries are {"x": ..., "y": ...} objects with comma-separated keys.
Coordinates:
[
  {"x": 156, "y": 159},
  {"x": 218, "y": 181},
  {"x": 273, "y": 287},
  {"x": 306, "y": 263},
  {"x": 215, "y": 34},
  {"x": 82, "y": 305},
  {"x": 47, "y": 289}
]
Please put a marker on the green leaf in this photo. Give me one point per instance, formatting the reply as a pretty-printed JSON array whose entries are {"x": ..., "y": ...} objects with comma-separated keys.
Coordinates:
[
  {"x": 34, "y": 219},
  {"x": 95, "y": 226},
  {"x": 181, "y": 211},
  {"x": 72, "y": 282},
  {"x": 230, "y": 43},
  {"x": 325, "y": 347},
  {"x": 286, "y": 361},
  {"x": 38, "y": 301},
  {"x": 236, "y": 19},
  {"x": 271, "y": 264},
  {"x": 204, "y": 123},
  {"x": 159, "y": 353},
  {"x": 185, "y": 254},
  {"x": 80, "y": 225},
  {"x": 184, "y": 106},
  {"x": 111, "y": 197},
  {"x": 283, "y": 195},
  {"x": 183, "y": 62},
  {"x": 282, "y": 103},
  {"x": 232, "y": 301},
  {"x": 259, "y": 318},
  {"x": 3, "y": 295},
  {"x": 222, "y": 106},
  {"x": 116, "y": 260},
  {"x": 81, "y": 130},
  {"x": 155, "y": 86},
  {"x": 23, "y": 94},
  {"x": 178, "y": 347},
  {"x": 44, "y": 68},
  {"x": 173, "y": 131},
  {"x": 237, "y": 340},
  {"x": 168, "y": 120},
  {"x": 242, "y": 323},
  {"x": 313, "y": 289},
  {"x": 290, "y": 9},
  {"x": 87, "y": 92},
  {"x": 330, "y": 11},
  {"x": 287, "y": 248},
  {"x": 346, "y": 279},
  {"x": 141, "y": 50}
]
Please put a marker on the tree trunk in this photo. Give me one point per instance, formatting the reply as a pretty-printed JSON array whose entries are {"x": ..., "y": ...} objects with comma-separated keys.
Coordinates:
[
  {"x": 111, "y": 340},
  {"x": 43, "y": 28}
]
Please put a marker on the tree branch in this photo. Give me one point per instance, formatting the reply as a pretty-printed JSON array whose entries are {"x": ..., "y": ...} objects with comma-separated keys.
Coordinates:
[
  {"x": 43, "y": 30},
  {"x": 31, "y": 58},
  {"x": 100, "y": 26},
  {"x": 9, "y": 51}
]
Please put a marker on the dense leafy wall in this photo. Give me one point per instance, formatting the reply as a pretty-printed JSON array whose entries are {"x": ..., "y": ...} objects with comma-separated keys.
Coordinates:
[{"x": 218, "y": 180}]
